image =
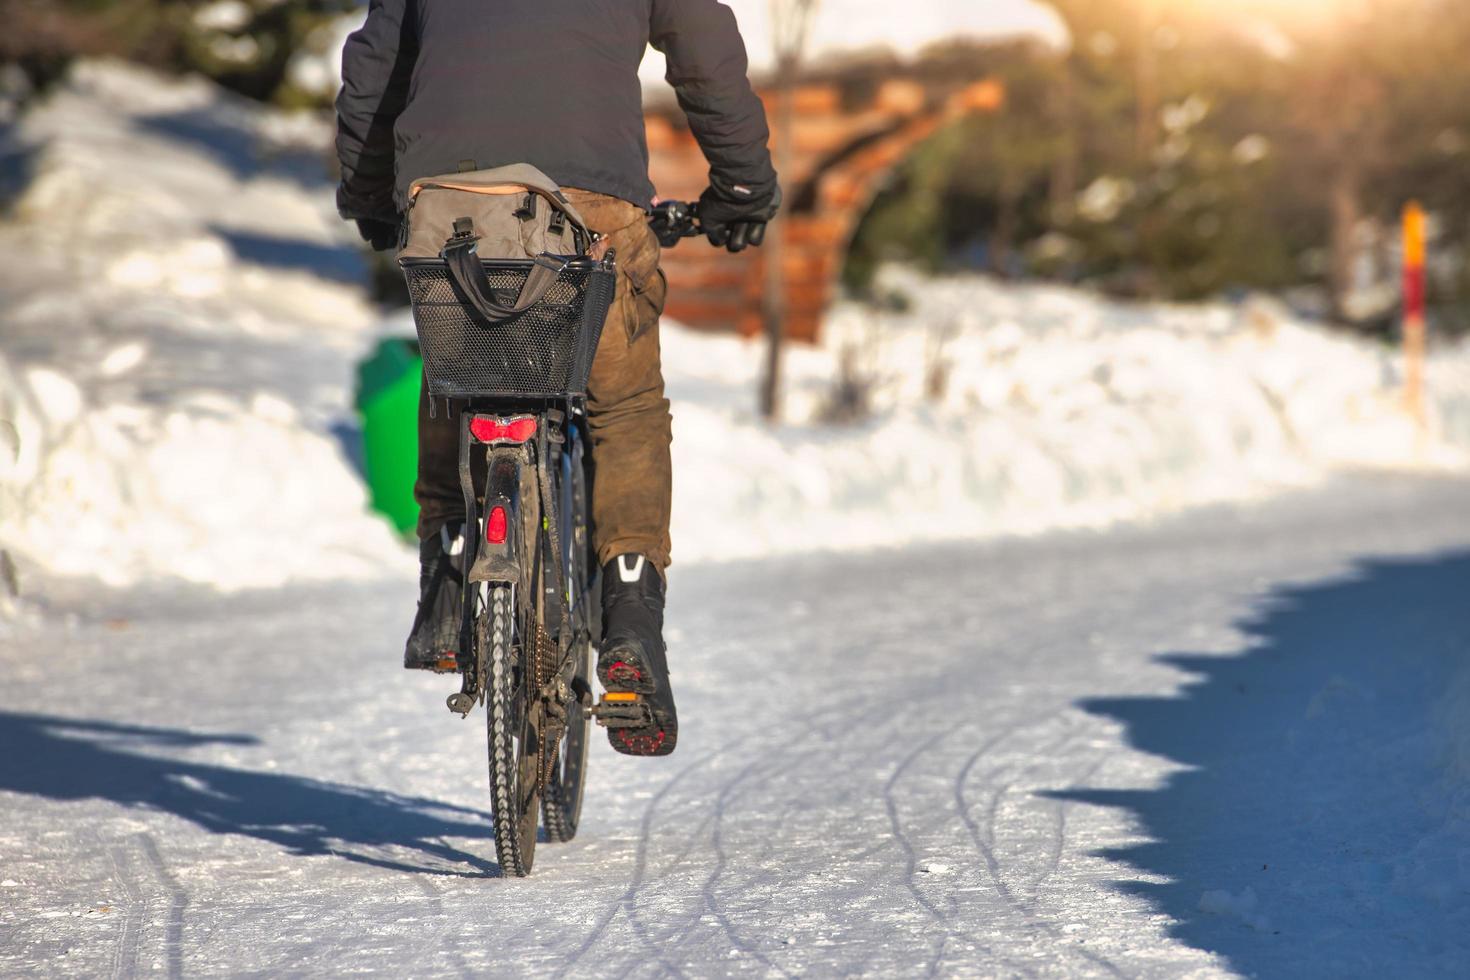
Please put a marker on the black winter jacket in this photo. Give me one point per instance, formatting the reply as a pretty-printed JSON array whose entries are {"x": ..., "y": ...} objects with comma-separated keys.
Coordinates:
[{"x": 436, "y": 86}]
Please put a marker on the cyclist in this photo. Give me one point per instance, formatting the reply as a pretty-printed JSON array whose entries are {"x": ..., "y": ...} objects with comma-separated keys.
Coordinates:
[{"x": 435, "y": 86}]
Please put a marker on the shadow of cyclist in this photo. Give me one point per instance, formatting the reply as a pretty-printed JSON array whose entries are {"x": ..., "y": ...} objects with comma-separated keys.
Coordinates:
[{"x": 74, "y": 759}]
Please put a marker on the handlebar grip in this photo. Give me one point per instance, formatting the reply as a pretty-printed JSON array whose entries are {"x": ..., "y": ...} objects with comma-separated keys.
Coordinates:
[{"x": 672, "y": 221}]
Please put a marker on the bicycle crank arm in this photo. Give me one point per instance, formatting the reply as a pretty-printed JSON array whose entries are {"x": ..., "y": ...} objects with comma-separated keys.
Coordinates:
[{"x": 620, "y": 710}]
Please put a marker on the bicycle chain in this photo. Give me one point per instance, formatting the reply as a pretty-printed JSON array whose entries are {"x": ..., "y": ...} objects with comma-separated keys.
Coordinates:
[{"x": 553, "y": 709}]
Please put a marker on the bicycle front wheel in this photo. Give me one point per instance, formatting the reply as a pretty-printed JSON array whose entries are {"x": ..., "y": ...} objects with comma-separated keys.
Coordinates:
[{"x": 514, "y": 744}]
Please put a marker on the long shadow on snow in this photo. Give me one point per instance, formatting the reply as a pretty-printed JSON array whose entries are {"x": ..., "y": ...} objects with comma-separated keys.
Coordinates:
[
  {"x": 233, "y": 143},
  {"x": 17, "y": 164},
  {"x": 72, "y": 759},
  {"x": 1315, "y": 805},
  {"x": 338, "y": 263}
]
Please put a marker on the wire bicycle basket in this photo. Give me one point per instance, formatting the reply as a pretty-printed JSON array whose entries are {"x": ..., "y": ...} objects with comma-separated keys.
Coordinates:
[{"x": 542, "y": 351}]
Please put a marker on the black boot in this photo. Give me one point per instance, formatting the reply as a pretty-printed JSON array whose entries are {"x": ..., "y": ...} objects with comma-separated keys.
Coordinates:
[
  {"x": 435, "y": 636},
  {"x": 631, "y": 658}
]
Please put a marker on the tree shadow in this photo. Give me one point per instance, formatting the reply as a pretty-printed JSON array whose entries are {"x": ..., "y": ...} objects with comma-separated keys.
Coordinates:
[
  {"x": 1317, "y": 828},
  {"x": 233, "y": 143},
  {"x": 338, "y": 263},
  {"x": 17, "y": 167},
  {"x": 72, "y": 759}
]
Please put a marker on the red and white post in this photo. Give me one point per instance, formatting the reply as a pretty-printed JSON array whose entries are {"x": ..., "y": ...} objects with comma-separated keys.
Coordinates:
[{"x": 1414, "y": 301}]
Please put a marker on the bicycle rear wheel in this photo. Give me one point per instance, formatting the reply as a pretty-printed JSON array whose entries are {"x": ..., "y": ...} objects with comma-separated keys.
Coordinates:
[
  {"x": 514, "y": 745},
  {"x": 561, "y": 801}
]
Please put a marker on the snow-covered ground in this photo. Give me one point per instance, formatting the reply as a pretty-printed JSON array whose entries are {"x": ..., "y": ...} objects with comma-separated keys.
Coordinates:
[
  {"x": 1221, "y": 746},
  {"x": 182, "y": 313}
]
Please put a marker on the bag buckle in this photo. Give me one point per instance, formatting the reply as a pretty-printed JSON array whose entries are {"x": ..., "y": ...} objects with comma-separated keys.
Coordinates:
[{"x": 463, "y": 228}]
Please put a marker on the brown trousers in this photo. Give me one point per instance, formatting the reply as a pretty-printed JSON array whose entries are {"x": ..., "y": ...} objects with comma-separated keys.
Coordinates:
[{"x": 627, "y": 413}]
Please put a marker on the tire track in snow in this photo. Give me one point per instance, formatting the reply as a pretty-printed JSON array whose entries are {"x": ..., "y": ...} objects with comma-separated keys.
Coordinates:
[
  {"x": 178, "y": 900},
  {"x": 686, "y": 931},
  {"x": 836, "y": 716},
  {"x": 985, "y": 842},
  {"x": 815, "y": 724},
  {"x": 436, "y": 942},
  {"x": 1027, "y": 907},
  {"x": 711, "y": 902},
  {"x": 640, "y": 863},
  {"x": 1062, "y": 807},
  {"x": 890, "y": 802},
  {"x": 818, "y": 724},
  {"x": 125, "y": 957}
]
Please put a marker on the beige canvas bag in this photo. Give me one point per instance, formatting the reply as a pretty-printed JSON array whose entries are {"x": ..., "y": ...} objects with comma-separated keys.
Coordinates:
[
  {"x": 514, "y": 212},
  {"x": 517, "y": 212}
]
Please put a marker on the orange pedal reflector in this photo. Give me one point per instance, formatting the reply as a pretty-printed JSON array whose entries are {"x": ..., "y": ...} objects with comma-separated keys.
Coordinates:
[{"x": 620, "y": 696}]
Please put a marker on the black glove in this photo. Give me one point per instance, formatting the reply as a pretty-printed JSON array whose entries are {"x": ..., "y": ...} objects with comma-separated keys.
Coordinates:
[
  {"x": 381, "y": 235},
  {"x": 734, "y": 216}
]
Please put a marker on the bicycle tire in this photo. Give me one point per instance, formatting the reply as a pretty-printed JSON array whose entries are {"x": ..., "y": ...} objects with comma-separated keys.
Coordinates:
[
  {"x": 562, "y": 794},
  {"x": 513, "y": 743}
]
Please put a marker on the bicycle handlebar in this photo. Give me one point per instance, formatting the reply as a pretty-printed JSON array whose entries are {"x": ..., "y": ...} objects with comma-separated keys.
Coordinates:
[{"x": 673, "y": 221}]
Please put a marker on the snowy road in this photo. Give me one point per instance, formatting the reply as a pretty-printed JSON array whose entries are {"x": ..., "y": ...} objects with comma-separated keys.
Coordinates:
[{"x": 1224, "y": 744}]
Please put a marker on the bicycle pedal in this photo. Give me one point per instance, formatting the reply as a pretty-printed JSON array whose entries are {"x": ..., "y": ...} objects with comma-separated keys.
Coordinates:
[{"x": 621, "y": 709}]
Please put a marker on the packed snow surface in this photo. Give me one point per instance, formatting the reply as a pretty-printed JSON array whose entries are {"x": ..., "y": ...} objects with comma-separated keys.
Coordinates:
[
  {"x": 183, "y": 312},
  {"x": 1217, "y": 746}
]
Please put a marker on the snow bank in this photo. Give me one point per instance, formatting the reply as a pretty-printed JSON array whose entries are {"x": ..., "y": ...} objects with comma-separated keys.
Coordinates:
[
  {"x": 1058, "y": 409},
  {"x": 181, "y": 316}
]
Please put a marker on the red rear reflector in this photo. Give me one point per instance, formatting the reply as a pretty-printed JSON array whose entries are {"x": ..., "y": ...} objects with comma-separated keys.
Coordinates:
[
  {"x": 517, "y": 430},
  {"x": 495, "y": 526}
]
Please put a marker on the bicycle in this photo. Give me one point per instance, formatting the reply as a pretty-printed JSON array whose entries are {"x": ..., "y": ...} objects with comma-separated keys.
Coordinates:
[{"x": 531, "y": 612}]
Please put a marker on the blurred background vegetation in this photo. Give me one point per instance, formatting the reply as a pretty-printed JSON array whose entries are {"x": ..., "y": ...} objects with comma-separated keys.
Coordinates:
[
  {"x": 1181, "y": 150},
  {"x": 249, "y": 46},
  {"x": 1176, "y": 149}
]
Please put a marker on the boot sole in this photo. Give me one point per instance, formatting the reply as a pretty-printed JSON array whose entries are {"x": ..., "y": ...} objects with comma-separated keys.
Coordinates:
[{"x": 621, "y": 672}]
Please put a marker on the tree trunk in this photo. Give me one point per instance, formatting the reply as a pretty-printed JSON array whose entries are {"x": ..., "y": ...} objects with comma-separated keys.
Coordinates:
[
  {"x": 1007, "y": 221},
  {"x": 1062, "y": 188},
  {"x": 1346, "y": 211},
  {"x": 773, "y": 307},
  {"x": 1146, "y": 86}
]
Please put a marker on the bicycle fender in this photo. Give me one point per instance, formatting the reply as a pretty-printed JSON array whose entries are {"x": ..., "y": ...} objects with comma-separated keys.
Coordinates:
[{"x": 499, "y": 561}]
